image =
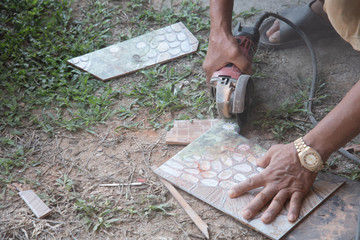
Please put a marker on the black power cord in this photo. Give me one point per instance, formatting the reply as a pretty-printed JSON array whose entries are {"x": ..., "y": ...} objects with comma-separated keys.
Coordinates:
[{"x": 314, "y": 75}]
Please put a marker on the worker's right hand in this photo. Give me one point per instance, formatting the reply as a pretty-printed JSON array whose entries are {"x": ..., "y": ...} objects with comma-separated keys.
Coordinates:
[
  {"x": 284, "y": 178},
  {"x": 223, "y": 49}
]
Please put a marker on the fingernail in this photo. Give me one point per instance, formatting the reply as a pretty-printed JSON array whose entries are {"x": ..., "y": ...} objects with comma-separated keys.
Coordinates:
[
  {"x": 292, "y": 217},
  {"x": 247, "y": 214},
  {"x": 266, "y": 217},
  {"x": 268, "y": 33},
  {"x": 273, "y": 38},
  {"x": 231, "y": 193}
]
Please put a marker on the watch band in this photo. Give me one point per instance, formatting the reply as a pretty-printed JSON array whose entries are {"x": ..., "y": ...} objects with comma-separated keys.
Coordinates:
[{"x": 300, "y": 145}]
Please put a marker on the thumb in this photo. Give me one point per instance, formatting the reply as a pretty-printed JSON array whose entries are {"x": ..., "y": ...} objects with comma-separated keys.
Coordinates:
[
  {"x": 209, "y": 69},
  {"x": 243, "y": 64},
  {"x": 241, "y": 61},
  {"x": 208, "y": 77},
  {"x": 264, "y": 160}
]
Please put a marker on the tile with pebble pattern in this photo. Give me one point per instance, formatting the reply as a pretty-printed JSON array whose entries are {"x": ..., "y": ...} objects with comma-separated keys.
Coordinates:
[
  {"x": 147, "y": 50},
  {"x": 221, "y": 158}
]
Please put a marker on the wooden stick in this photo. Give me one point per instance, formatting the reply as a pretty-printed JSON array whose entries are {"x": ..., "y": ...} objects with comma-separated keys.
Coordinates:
[
  {"x": 120, "y": 184},
  {"x": 192, "y": 214},
  {"x": 358, "y": 227}
]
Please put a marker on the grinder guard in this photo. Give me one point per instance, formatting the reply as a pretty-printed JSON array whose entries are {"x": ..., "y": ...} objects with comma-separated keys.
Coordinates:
[
  {"x": 246, "y": 92},
  {"x": 233, "y": 97},
  {"x": 240, "y": 94}
]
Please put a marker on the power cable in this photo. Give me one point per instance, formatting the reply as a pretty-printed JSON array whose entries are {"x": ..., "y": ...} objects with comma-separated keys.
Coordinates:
[{"x": 314, "y": 75}]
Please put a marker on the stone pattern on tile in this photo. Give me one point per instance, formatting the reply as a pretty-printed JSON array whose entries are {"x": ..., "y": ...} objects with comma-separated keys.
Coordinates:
[
  {"x": 209, "y": 166},
  {"x": 186, "y": 131},
  {"x": 144, "y": 51}
]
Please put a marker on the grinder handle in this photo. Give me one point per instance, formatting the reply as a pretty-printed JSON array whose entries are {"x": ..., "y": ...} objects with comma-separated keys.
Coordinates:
[{"x": 248, "y": 39}]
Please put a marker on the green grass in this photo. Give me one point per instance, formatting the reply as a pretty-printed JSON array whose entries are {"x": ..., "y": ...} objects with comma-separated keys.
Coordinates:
[
  {"x": 162, "y": 90},
  {"x": 287, "y": 116},
  {"x": 247, "y": 14},
  {"x": 144, "y": 17},
  {"x": 15, "y": 157},
  {"x": 37, "y": 86},
  {"x": 40, "y": 90},
  {"x": 15, "y": 154},
  {"x": 99, "y": 213},
  {"x": 167, "y": 90}
]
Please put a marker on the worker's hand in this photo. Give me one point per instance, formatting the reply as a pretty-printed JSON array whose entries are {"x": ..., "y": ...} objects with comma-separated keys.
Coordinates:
[
  {"x": 223, "y": 49},
  {"x": 283, "y": 179}
]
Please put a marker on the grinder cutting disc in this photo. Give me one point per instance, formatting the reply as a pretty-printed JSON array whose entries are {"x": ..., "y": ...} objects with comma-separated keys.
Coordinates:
[
  {"x": 247, "y": 98},
  {"x": 233, "y": 95}
]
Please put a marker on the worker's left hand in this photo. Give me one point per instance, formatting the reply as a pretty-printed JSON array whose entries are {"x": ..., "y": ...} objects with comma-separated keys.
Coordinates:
[{"x": 284, "y": 178}]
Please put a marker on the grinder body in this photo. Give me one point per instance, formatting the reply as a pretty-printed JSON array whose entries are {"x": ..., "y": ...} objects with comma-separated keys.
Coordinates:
[{"x": 231, "y": 88}]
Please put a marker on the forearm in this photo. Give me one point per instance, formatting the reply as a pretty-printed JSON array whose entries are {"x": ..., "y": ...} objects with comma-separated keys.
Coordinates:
[
  {"x": 221, "y": 14},
  {"x": 223, "y": 47},
  {"x": 339, "y": 126}
]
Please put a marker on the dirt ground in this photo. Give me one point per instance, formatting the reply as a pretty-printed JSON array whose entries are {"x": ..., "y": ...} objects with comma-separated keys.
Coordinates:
[{"x": 123, "y": 156}]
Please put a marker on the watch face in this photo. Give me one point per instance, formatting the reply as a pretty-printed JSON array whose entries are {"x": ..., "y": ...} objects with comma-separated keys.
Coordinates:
[{"x": 311, "y": 159}]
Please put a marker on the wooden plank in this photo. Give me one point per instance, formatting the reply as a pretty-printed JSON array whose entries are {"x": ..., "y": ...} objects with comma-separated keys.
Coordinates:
[
  {"x": 192, "y": 214},
  {"x": 358, "y": 228},
  {"x": 37, "y": 206}
]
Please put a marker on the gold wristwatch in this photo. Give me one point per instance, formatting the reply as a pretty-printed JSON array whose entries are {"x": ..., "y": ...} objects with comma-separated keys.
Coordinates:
[{"x": 309, "y": 157}]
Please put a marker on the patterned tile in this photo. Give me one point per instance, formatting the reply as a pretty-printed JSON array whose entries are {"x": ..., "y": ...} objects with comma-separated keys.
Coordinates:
[
  {"x": 144, "y": 51},
  {"x": 186, "y": 131},
  {"x": 208, "y": 167}
]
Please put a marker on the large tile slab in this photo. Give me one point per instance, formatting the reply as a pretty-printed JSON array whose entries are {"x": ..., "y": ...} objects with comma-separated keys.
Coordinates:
[
  {"x": 156, "y": 47},
  {"x": 208, "y": 167}
]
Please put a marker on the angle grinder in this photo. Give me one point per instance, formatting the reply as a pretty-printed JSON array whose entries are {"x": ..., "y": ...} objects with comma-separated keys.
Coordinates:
[{"x": 232, "y": 89}]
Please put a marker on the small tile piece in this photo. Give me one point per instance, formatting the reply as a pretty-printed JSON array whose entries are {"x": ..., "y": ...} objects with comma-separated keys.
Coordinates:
[
  {"x": 39, "y": 208},
  {"x": 186, "y": 131},
  {"x": 156, "y": 47}
]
